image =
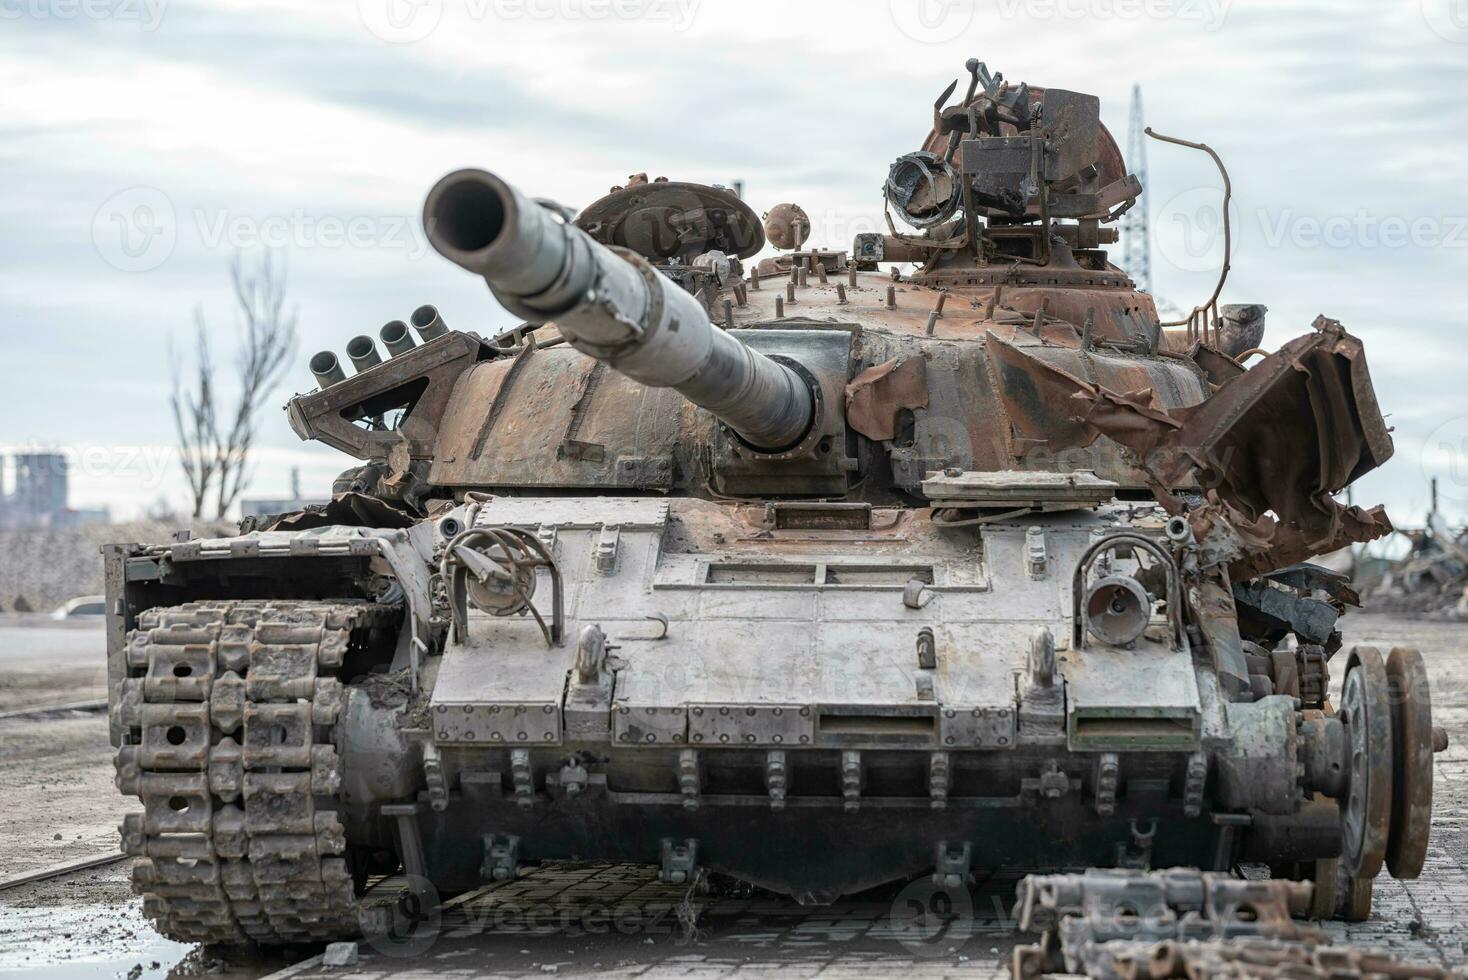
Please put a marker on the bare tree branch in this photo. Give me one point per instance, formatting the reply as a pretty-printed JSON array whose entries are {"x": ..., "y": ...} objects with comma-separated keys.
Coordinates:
[
  {"x": 267, "y": 347},
  {"x": 193, "y": 416},
  {"x": 215, "y": 441}
]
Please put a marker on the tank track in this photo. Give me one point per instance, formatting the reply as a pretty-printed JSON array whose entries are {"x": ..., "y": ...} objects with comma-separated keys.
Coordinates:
[
  {"x": 1202, "y": 926},
  {"x": 231, "y": 708},
  {"x": 1265, "y": 959}
]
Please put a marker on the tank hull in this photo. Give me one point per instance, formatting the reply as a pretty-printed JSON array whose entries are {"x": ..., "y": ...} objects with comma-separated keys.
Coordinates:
[{"x": 813, "y": 708}]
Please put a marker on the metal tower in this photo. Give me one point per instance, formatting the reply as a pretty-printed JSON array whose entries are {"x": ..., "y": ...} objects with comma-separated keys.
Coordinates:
[{"x": 1136, "y": 243}]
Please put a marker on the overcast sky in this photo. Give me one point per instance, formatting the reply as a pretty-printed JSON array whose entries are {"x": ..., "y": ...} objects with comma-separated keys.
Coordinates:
[{"x": 144, "y": 142}]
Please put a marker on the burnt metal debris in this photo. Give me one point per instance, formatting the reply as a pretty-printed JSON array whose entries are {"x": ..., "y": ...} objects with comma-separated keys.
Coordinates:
[
  {"x": 934, "y": 552},
  {"x": 1429, "y": 579},
  {"x": 1133, "y": 925}
]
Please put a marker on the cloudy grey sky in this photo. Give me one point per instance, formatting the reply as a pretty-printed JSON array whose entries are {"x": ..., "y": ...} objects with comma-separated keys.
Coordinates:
[{"x": 144, "y": 142}]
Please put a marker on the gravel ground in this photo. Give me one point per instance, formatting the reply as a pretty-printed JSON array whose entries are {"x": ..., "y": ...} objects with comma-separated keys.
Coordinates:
[
  {"x": 59, "y": 804},
  {"x": 55, "y": 772},
  {"x": 56, "y": 784},
  {"x": 46, "y": 567}
]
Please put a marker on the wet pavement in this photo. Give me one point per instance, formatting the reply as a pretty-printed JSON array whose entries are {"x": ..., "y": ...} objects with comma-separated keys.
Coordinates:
[
  {"x": 621, "y": 921},
  {"x": 88, "y": 925},
  {"x": 43, "y": 661}
]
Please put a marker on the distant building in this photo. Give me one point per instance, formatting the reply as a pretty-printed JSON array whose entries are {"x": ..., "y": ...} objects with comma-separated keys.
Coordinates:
[
  {"x": 39, "y": 491},
  {"x": 41, "y": 483}
]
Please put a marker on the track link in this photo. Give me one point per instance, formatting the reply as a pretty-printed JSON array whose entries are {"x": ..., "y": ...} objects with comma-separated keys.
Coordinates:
[{"x": 230, "y": 708}]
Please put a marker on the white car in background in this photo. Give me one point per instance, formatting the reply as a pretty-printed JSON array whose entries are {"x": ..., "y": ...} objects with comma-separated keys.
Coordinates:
[{"x": 83, "y": 607}]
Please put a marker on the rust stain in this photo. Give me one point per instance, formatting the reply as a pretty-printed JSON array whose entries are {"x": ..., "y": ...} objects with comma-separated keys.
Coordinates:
[{"x": 876, "y": 396}]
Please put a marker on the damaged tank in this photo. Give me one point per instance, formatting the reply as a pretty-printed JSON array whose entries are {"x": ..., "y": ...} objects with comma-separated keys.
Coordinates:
[{"x": 931, "y": 553}]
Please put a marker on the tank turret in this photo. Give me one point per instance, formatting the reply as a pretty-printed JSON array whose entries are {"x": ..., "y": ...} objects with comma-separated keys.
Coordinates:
[{"x": 613, "y": 306}]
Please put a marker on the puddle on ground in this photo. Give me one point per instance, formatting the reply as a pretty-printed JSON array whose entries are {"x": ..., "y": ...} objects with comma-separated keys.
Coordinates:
[
  {"x": 108, "y": 942},
  {"x": 92, "y": 941}
]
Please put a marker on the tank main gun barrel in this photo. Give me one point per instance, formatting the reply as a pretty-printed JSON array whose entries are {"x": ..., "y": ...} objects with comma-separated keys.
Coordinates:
[{"x": 614, "y": 306}]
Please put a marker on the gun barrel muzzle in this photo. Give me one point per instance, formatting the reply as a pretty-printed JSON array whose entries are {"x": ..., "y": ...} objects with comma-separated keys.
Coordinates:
[
  {"x": 327, "y": 369},
  {"x": 613, "y": 306}
]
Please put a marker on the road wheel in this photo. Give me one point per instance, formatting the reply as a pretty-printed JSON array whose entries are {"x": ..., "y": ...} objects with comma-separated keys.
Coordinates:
[
  {"x": 1411, "y": 819},
  {"x": 1366, "y": 811}
]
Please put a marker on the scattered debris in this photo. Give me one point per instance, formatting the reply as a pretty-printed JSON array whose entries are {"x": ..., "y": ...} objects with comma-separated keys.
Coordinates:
[
  {"x": 1430, "y": 580},
  {"x": 688, "y": 912},
  {"x": 1110, "y": 924},
  {"x": 339, "y": 954}
]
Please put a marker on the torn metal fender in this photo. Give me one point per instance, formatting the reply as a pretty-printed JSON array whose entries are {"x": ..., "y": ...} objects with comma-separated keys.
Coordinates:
[
  {"x": 876, "y": 397},
  {"x": 1269, "y": 446},
  {"x": 1277, "y": 439}
]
